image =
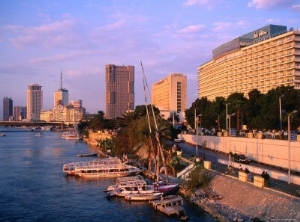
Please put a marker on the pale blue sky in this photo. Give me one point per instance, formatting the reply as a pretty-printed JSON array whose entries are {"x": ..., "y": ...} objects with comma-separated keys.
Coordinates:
[{"x": 39, "y": 38}]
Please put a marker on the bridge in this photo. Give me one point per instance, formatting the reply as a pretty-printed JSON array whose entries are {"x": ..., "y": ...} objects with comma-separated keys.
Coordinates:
[{"x": 23, "y": 123}]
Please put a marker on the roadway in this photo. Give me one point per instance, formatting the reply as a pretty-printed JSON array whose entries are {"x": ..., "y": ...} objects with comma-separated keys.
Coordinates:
[{"x": 189, "y": 152}]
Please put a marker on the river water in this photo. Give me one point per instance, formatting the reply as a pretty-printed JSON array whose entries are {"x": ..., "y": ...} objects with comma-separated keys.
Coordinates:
[{"x": 34, "y": 188}]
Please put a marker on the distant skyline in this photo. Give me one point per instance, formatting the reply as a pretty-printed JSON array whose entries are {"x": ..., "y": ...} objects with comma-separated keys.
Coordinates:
[{"x": 39, "y": 39}]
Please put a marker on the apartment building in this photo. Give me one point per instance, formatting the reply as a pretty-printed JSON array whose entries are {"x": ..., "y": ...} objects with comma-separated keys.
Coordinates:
[
  {"x": 119, "y": 90},
  {"x": 34, "y": 101},
  {"x": 169, "y": 95},
  {"x": 262, "y": 59}
]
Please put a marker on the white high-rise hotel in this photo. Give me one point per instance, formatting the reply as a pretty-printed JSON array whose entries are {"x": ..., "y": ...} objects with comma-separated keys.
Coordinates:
[
  {"x": 262, "y": 59},
  {"x": 34, "y": 101}
]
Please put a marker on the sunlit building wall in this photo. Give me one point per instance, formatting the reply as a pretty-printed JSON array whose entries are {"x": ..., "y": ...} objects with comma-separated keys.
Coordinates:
[
  {"x": 34, "y": 101},
  {"x": 263, "y": 59},
  {"x": 169, "y": 95}
]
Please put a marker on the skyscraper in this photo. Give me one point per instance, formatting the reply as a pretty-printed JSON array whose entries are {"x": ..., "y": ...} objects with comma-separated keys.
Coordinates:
[
  {"x": 34, "y": 101},
  {"x": 169, "y": 95},
  {"x": 7, "y": 108},
  {"x": 119, "y": 90},
  {"x": 61, "y": 96}
]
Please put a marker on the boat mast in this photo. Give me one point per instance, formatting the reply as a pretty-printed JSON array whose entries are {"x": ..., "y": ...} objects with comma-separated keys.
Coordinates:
[
  {"x": 150, "y": 130},
  {"x": 160, "y": 150}
]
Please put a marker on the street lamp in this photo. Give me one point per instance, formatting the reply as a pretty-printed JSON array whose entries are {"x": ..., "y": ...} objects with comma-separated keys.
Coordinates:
[
  {"x": 280, "y": 113},
  {"x": 229, "y": 117},
  {"x": 197, "y": 133},
  {"x": 289, "y": 139}
]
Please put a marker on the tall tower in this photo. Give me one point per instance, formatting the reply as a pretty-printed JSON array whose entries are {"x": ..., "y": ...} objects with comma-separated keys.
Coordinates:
[
  {"x": 170, "y": 94},
  {"x": 119, "y": 90},
  {"x": 7, "y": 108},
  {"x": 61, "y": 96},
  {"x": 34, "y": 101}
]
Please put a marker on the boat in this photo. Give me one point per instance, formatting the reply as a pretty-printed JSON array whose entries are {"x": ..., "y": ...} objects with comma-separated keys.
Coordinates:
[
  {"x": 129, "y": 185},
  {"x": 102, "y": 167},
  {"x": 143, "y": 196},
  {"x": 172, "y": 206},
  {"x": 39, "y": 134},
  {"x": 2, "y": 134},
  {"x": 87, "y": 154},
  {"x": 138, "y": 185},
  {"x": 166, "y": 189}
]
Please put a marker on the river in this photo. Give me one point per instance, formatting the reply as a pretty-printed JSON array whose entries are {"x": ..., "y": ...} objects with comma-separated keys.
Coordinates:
[{"x": 34, "y": 188}]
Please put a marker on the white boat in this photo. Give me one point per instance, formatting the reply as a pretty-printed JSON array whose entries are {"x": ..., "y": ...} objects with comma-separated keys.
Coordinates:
[
  {"x": 138, "y": 185},
  {"x": 171, "y": 206},
  {"x": 73, "y": 137},
  {"x": 2, "y": 134},
  {"x": 39, "y": 134},
  {"x": 103, "y": 167},
  {"x": 143, "y": 196}
]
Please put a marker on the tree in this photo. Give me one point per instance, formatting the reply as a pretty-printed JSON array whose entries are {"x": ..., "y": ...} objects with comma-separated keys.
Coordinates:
[{"x": 237, "y": 101}]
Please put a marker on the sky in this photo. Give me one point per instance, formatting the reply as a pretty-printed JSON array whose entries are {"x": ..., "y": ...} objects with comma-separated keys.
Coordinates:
[{"x": 39, "y": 39}]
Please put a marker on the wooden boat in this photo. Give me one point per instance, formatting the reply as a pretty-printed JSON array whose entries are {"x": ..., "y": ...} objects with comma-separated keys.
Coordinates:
[
  {"x": 102, "y": 167},
  {"x": 171, "y": 206},
  {"x": 143, "y": 196},
  {"x": 86, "y": 154}
]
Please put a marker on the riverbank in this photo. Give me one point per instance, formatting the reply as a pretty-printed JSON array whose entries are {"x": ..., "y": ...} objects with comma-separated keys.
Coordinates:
[{"x": 242, "y": 201}]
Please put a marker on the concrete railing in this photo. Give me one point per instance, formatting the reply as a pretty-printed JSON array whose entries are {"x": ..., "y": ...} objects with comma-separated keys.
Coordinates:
[{"x": 275, "y": 152}]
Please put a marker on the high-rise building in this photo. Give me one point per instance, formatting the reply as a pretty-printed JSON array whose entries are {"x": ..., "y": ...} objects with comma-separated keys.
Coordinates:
[
  {"x": 262, "y": 59},
  {"x": 119, "y": 90},
  {"x": 34, "y": 101},
  {"x": 61, "y": 96},
  {"x": 19, "y": 113},
  {"x": 169, "y": 95},
  {"x": 7, "y": 108}
]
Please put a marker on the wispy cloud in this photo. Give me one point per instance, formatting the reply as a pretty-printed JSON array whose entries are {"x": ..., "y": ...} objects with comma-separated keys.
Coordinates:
[
  {"x": 266, "y": 4},
  {"x": 62, "y": 34},
  {"x": 296, "y": 7},
  {"x": 205, "y": 3}
]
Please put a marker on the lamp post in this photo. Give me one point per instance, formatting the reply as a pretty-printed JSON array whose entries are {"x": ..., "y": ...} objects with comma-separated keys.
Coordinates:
[
  {"x": 280, "y": 113},
  {"x": 197, "y": 132},
  {"x": 289, "y": 150},
  {"x": 229, "y": 117}
]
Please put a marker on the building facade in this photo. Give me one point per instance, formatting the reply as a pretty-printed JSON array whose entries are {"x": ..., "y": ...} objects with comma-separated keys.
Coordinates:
[
  {"x": 34, "y": 101},
  {"x": 119, "y": 90},
  {"x": 262, "y": 59},
  {"x": 169, "y": 95},
  {"x": 7, "y": 109},
  {"x": 19, "y": 113}
]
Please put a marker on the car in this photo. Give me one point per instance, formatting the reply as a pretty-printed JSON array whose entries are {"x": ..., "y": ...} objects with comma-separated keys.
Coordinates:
[{"x": 241, "y": 159}]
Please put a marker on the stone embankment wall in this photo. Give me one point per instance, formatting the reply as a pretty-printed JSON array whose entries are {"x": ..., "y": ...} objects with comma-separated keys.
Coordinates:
[
  {"x": 244, "y": 201},
  {"x": 275, "y": 152}
]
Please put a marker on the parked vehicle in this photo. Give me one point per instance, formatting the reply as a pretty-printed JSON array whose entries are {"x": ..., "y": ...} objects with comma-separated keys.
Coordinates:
[{"x": 241, "y": 159}]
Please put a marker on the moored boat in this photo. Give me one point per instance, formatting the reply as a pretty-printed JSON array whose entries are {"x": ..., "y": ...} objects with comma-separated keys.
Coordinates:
[
  {"x": 87, "y": 154},
  {"x": 102, "y": 167},
  {"x": 171, "y": 206},
  {"x": 143, "y": 196}
]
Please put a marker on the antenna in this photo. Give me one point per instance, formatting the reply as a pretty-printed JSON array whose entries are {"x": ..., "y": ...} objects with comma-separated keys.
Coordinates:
[{"x": 61, "y": 82}]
